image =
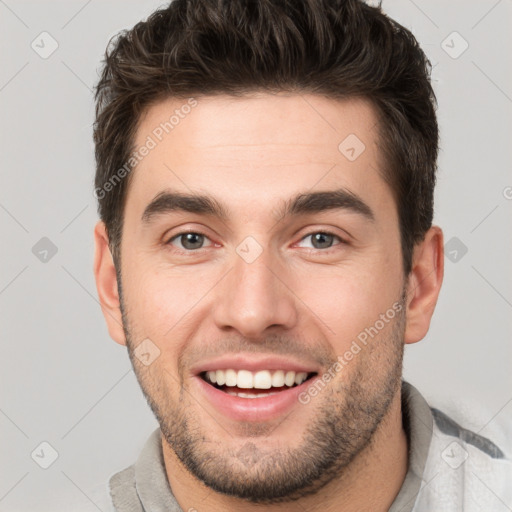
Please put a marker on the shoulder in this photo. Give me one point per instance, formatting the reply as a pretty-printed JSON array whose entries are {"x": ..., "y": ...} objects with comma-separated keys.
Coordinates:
[
  {"x": 118, "y": 493},
  {"x": 451, "y": 429},
  {"x": 465, "y": 470},
  {"x": 97, "y": 498},
  {"x": 123, "y": 490}
]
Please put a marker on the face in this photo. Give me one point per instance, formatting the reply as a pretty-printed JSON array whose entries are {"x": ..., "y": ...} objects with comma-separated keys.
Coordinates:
[{"x": 261, "y": 270}]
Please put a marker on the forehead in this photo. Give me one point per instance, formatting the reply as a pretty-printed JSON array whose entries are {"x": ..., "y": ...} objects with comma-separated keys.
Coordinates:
[
  {"x": 259, "y": 147},
  {"x": 259, "y": 118}
]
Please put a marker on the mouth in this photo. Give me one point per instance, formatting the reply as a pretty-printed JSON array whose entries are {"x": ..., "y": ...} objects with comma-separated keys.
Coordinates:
[
  {"x": 249, "y": 388},
  {"x": 255, "y": 385}
]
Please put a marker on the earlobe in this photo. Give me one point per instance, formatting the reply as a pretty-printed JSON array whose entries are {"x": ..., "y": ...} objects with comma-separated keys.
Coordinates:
[
  {"x": 106, "y": 284},
  {"x": 424, "y": 284}
]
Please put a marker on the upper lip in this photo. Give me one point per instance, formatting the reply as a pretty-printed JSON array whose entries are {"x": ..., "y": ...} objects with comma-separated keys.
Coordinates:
[{"x": 254, "y": 363}]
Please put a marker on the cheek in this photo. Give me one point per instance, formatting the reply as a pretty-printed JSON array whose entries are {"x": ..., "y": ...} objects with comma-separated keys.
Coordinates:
[
  {"x": 158, "y": 309},
  {"x": 346, "y": 303},
  {"x": 161, "y": 299}
]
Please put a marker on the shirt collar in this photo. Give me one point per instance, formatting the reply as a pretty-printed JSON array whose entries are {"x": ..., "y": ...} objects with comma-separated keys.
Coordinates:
[{"x": 155, "y": 492}]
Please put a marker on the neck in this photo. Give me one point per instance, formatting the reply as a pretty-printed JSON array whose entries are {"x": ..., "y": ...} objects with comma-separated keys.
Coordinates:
[{"x": 370, "y": 482}]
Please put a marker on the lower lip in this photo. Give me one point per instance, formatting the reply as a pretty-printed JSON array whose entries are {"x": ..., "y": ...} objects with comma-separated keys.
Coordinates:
[{"x": 253, "y": 409}]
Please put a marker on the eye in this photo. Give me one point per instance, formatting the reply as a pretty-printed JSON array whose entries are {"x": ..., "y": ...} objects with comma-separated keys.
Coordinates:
[
  {"x": 322, "y": 240},
  {"x": 189, "y": 241}
]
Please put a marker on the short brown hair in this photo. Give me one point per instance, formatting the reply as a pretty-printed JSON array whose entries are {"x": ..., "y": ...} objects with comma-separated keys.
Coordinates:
[{"x": 336, "y": 48}]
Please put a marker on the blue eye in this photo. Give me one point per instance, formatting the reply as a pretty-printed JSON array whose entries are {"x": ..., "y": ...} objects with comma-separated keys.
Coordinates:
[
  {"x": 193, "y": 241},
  {"x": 189, "y": 241},
  {"x": 322, "y": 240}
]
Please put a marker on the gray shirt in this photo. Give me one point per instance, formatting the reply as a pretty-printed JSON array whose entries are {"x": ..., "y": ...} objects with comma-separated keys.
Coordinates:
[{"x": 447, "y": 466}]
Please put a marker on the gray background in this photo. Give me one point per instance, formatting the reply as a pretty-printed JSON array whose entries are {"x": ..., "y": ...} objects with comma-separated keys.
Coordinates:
[{"x": 65, "y": 382}]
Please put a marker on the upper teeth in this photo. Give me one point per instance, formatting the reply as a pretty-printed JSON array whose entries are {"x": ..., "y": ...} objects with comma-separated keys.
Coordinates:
[{"x": 264, "y": 379}]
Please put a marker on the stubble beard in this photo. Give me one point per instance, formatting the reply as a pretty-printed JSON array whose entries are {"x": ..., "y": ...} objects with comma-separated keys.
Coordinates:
[{"x": 348, "y": 413}]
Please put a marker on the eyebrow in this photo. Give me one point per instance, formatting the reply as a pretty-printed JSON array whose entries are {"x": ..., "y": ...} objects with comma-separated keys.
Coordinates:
[{"x": 310, "y": 202}]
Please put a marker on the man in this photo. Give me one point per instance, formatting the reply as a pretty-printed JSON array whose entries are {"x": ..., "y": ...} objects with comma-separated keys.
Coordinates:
[{"x": 265, "y": 177}]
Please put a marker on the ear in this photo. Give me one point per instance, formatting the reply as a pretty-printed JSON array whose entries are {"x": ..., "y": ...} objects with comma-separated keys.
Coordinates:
[
  {"x": 106, "y": 284},
  {"x": 424, "y": 284}
]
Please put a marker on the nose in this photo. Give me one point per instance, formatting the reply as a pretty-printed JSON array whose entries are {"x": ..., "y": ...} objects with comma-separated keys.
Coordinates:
[{"x": 253, "y": 298}]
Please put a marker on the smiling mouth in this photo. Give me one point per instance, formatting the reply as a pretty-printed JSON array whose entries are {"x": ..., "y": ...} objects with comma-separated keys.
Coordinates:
[{"x": 247, "y": 384}]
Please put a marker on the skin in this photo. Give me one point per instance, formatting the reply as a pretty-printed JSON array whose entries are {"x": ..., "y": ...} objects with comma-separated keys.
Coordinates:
[{"x": 252, "y": 154}]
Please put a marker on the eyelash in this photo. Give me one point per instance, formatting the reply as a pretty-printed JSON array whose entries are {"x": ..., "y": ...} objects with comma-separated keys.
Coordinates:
[{"x": 323, "y": 232}]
